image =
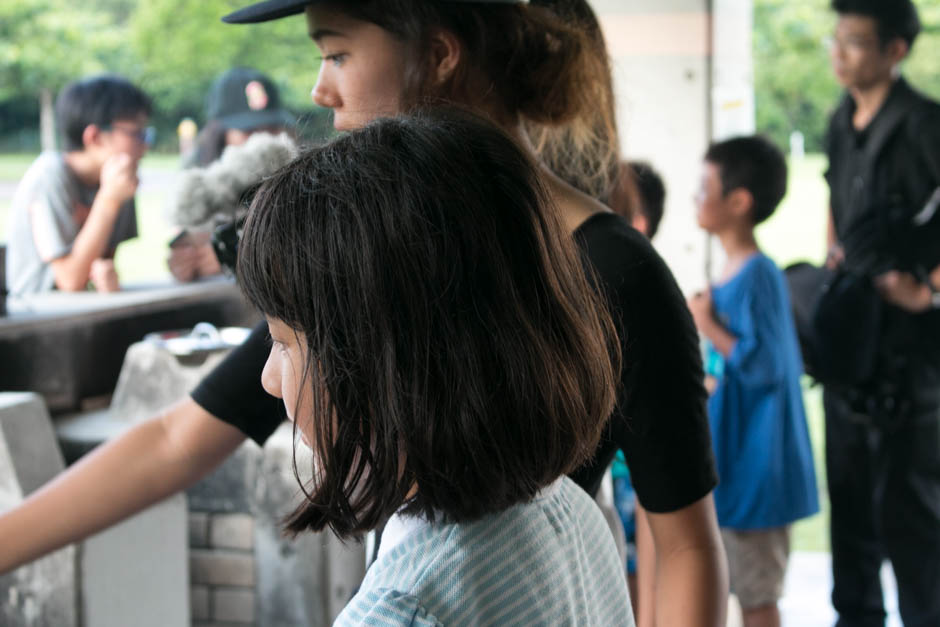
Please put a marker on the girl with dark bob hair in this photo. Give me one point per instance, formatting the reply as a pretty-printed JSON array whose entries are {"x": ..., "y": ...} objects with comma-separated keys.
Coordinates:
[
  {"x": 438, "y": 346},
  {"x": 521, "y": 66}
]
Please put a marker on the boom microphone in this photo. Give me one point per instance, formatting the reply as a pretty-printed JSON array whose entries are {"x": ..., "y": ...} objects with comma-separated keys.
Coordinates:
[{"x": 210, "y": 195}]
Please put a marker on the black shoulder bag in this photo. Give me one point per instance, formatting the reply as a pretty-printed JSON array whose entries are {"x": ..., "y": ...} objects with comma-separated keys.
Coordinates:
[{"x": 838, "y": 313}]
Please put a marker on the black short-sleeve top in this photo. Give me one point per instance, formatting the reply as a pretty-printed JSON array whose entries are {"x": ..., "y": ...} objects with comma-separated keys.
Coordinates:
[{"x": 660, "y": 421}]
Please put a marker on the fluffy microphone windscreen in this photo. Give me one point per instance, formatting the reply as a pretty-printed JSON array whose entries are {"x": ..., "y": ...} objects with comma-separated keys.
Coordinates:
[{"x": 212, "y": 193}]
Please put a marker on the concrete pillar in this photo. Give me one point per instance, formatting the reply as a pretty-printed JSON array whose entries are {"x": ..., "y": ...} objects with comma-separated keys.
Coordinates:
[
  {"x": 136, "y": 573},
  {"x": 682, "y": 75},
  {"x": 41, "y": 594},
  {"x": 132, "y": 574},
  {"x": 242, "y": 568}
]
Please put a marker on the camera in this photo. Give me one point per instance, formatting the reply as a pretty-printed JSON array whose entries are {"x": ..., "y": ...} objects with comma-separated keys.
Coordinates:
[{"x": 225, "y": 240}]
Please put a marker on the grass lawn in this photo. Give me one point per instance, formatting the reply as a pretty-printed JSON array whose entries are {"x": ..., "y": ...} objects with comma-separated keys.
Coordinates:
[
  {"x": 795, "y": 232},
  {"x": 12, "y": 166}
]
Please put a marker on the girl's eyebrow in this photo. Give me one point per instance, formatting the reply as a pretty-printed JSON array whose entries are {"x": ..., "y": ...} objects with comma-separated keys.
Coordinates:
[{"x": 319, "y": 34}]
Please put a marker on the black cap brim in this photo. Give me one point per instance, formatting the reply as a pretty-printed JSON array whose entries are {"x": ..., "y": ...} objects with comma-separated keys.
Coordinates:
[
  {"x": 266, "y": 11},
  {"x": 276, "y": 9}
]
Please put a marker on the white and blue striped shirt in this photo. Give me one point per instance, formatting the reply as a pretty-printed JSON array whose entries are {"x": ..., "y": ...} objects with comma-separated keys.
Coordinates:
[{"x": 551, "y": 561}]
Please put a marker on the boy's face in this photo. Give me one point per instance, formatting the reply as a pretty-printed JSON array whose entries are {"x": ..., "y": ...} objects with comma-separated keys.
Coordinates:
[
  {"x": 124, "y": 136},
  {"x": 713, "y": 207},
  {"x": 859, "y": 59}
]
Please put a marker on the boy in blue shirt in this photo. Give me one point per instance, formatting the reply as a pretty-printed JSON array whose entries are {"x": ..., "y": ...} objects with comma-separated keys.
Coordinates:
[{"x": 758, "y": 423}]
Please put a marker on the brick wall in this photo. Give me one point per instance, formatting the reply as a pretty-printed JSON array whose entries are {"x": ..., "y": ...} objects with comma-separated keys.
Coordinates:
[{"x": 222, "y": 569}]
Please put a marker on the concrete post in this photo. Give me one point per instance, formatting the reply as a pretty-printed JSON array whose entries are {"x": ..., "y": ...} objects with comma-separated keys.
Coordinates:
[
  {"x": 682, "y": 75},
  {"x": 41, "y": 594},
  {"x": 132, "y": 574}
]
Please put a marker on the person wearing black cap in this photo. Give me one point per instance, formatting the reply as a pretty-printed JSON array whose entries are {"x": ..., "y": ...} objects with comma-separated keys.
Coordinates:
[
  {"x": 883, "y": 434},
  {"x": 242, "y": 101},
  {"x": 514, "y": 64}
]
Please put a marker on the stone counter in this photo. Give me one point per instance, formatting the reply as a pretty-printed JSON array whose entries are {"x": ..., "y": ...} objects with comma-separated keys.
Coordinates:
[{"x": 70, "y": 346}]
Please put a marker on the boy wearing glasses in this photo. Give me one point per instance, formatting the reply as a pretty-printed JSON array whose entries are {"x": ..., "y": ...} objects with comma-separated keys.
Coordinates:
[
  {"x": 883, "y": 436},
  {"x": 72, "y": 208}
]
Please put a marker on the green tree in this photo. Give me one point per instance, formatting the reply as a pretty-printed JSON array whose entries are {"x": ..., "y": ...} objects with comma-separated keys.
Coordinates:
[
  {"x": 794, "y": 88},
  {"x": 923, "y": 67},
  {"x": 46, "y": 43},
  {"x": 171, "y": 48},
  {"x": 793, "y": 83},
  {"x": 179, "y": 47}
]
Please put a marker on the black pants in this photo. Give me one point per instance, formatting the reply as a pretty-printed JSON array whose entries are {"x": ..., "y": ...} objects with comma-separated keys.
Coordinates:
[{"x": 885, "y": 492}]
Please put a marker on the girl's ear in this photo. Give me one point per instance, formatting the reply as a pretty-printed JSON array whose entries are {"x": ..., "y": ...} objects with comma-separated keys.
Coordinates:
[{"x": 445, "y": 51}]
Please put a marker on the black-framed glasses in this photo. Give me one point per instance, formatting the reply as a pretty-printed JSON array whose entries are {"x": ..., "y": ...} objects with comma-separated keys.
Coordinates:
[{"x": 145, "y": 135}]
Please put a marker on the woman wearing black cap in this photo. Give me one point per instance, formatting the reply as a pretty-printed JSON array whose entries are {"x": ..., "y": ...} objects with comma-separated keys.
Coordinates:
[
  {"x": 517, "y": 65},
  {"x": 242, "y": 101}
]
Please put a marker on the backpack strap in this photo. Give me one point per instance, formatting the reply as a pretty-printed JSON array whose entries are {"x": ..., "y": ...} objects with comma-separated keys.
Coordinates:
[{"x": 896, "y": 111}]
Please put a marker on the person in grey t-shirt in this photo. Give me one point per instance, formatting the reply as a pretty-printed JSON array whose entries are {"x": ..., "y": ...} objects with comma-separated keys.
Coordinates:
[{"x": 72, "y": 209}]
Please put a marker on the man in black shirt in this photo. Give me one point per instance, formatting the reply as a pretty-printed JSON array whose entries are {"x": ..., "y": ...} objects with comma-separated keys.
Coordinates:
[{"x": 883, "y": 437}]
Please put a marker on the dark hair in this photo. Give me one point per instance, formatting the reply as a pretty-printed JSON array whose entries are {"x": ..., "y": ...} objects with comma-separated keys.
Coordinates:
[
  {"x": 209, "y": 144},
  {"x": 522, "y": 60},
  {"x": 652, "y": 192},
  {"x": 453, "y": 343},
  {"x": 585, "y": 152},
  {"x": 753, "y": 163},
  {"x": 895, "y": 18},
  {"x": 99, "y": 100}
]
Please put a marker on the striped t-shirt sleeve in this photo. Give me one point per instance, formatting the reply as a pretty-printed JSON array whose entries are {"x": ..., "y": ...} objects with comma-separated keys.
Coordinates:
[{"x": 385, "y": 607}]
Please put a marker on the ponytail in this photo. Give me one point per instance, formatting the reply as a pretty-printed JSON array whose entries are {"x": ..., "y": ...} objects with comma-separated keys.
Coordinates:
[{"x": 584, "y": 152}]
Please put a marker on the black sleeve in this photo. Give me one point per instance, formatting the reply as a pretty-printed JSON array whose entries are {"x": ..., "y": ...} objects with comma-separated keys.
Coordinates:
[
  {"x": 928, "y": 136},
  {"x": 233, "y": 393},
  {"x": 660, "y": 421}
]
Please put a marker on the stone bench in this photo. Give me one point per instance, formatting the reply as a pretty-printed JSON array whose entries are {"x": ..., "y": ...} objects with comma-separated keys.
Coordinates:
[
  {"x": 134, "y": 573},
  {"x": 242, "y": 570}
]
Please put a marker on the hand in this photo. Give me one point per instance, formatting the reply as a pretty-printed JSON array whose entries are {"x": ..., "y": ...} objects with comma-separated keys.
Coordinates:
[
  {"x": 183, "y": 262},
  {"x": 119, "y": 178},
  {"x": 207, "y": 263},
  {"x": 903, "y": 290},
  {"x": 104, "y": 276},
  {"x": 935, "y": 278},
  {"x": 701, "y": 306},
  {"x": 835, "y": 256}
]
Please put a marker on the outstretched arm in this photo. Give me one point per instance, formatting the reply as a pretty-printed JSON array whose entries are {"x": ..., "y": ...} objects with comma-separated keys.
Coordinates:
[
  {"x": 645, "y": 602},
  {"x": 691, "y": 567},
  {"x": 150, "y": 462}
]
